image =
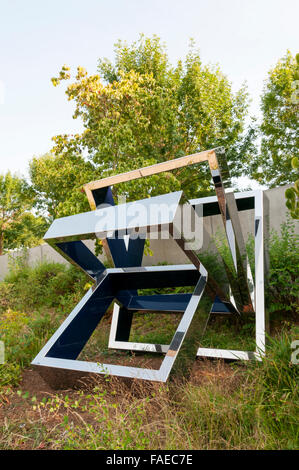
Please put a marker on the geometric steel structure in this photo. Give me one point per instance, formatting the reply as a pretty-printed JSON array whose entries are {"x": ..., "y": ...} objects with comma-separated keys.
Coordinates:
[
  {"x": 255, "y": 200},
  {"x": 58, "y": 359}
]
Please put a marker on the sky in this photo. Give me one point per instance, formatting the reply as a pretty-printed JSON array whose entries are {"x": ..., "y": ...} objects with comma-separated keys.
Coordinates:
[{"x": 245, "y": 37}]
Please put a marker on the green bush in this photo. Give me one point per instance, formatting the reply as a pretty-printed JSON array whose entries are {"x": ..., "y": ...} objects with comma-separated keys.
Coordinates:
[
  {"x": 282, "y": 292},
  {"x": 275, "y": 392},
  {"x": 46, "y": 284},
  {"x": 282, "y": 280},
  {"x": 33, "y": 301},
  {"x": 23, "y": 336}
]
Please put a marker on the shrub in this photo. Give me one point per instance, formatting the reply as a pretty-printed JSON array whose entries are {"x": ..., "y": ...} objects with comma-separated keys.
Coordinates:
[
  {"x": 275, "y": 392},
  {"x": 23, "y": 337},
  {"x": 282, "y": 291},
  {"x": 46, "y": 284},
  {"x": 32, "y": 301}
]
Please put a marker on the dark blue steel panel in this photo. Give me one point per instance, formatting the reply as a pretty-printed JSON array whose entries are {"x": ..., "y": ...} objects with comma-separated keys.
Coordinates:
[
  {"x": 160, "y": 303},
  {"x": 120, "y": 255},
  {"x": 121, "y": 258},
  {"x": 243, "y": 204},
  {"x": 222, "y": 307},
  {"x": 103, "y": 196},
  {"x": 79, "y": 253},
  {"x": 155, "y": 279},
  {"x": 124, "y": 324},
  {"x": 75, "y": 336}
]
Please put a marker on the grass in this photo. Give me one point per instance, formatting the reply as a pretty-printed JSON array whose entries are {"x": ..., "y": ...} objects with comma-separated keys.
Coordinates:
[
  {"x": 222, "y": 406},
  {"x": 252, "y": 406}
]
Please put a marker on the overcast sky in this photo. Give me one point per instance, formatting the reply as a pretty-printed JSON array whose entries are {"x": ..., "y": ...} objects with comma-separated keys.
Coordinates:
[{"x": 245, "y": 37}]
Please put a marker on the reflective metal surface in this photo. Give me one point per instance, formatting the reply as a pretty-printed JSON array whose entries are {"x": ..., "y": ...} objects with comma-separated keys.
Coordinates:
[
  {"x": 241, "y": 279},
  {"x": 246, "y": 200},
  {"x": 124, "y": 228},
  {"x": 66, "y": 344}
]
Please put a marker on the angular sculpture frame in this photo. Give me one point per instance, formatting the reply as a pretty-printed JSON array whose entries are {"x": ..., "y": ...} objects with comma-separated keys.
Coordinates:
[
  {"x": 66, "y": 235},
  {"x": 260, "y": 204},
  {"x": 48, "y": 357}
]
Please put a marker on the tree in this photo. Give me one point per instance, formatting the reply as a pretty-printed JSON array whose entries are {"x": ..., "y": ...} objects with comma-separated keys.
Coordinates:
[
  {"x": 279, "y": 128},
  {"x": 57, "y": 182},
  {"x": 26, "y": 232},
  {"x": 141, "y": 110},
  {"x": 16, "y": 201}
]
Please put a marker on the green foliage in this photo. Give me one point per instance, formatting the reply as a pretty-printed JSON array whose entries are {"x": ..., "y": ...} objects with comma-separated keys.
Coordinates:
[
  {"x": 63, "y": 75},
  {"x": 26, "y": 232},
  {"x": 261, "y": 413},
  {"x": 252, "y": 406},
  {"x": 32, "y": 302},
  {"x": 276, "y": 394},
  {"x": 282, "y": 292},
  {"x": 122, "y": 428},
  {"x": 18, "y": 227},
  {"x": 214, "y": 260},
  {"x": 47, "y": 284},
  {"x": 14, "y": 332},
  {"x": 282, "y": 282},
  {"x": 213, "y": 264},
  {"x": 141, "y": 110},
  {"x": 57, "y": 182},
  {"x": 23, "y": 336},
  {"x": 10, "y": 374},
  {"x": 224, "y": 333},
  {"x": 144, "y": 328},
  {"x": 279, "y": 126},
  {"x": 276, "y": 370}
]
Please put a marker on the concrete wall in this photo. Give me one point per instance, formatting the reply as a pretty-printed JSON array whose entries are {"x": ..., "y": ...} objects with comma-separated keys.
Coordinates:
[{"x": 167, "y": 250}]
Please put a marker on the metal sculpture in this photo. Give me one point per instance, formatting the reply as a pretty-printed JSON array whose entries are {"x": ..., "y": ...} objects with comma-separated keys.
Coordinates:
[{"x": 57, "y": 361}]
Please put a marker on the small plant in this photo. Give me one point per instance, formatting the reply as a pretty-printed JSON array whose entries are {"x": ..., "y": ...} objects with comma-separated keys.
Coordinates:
[
  {"x": 276, "y": 392},
  {"x": 282, "y": 291},
  {"x": 46, "y": 284},
  {"x": 23, "y": 337}
]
